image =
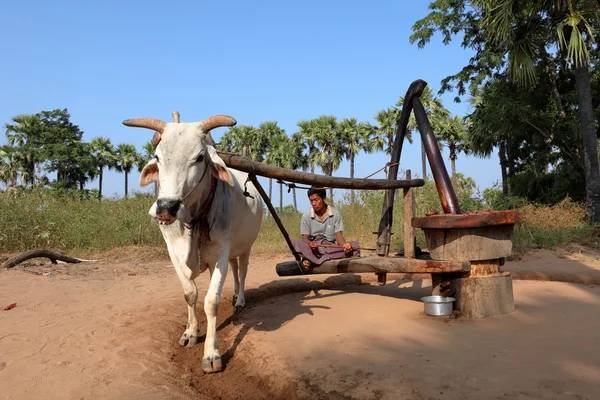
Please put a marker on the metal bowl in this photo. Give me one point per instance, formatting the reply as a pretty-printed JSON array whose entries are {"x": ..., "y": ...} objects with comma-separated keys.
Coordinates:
[{"x": 438, "y": 305}]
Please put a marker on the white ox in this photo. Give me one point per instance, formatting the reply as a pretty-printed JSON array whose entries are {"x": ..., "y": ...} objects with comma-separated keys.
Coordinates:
[{"x": 204, "y": 217}]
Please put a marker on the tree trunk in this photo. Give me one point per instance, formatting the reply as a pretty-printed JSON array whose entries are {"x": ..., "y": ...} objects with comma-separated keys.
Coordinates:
[
  {"x": 423, "y": 160},
  {"x": 126, "y": 183},
  {"x": 330, "y": 173},
  {"x": 503, "y": 162},
  {"x": 551, "y": 71},
  {"x": 510, "y": 160},
  {"x": 295, "y": 202},
  {"x": 453, "y": 163},
  {"x": 331, "y": 194},
  {"x": 100, "y": 184},
  {"x": 556, "y": 93},
  {"x": 281, "y": 198},
  {"x": 352, "y": 176},
  {"x": 590, "y": 144},
  {"x": 270, "y": 192}
]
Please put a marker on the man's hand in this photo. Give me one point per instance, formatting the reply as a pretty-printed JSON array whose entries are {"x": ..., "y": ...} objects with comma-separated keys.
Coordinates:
[
  {"x": 313, "y": 246},
  {"x": 347, "y": 248}
]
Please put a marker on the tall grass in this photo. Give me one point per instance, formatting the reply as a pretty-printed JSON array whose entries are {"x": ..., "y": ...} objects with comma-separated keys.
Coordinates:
[
  {"x": 31, "y": 221},
  {"x": 551, "y": 226}
]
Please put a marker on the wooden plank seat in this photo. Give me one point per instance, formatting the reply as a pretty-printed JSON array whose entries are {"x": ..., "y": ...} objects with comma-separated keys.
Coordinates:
[{"x": 378, "y": 265}]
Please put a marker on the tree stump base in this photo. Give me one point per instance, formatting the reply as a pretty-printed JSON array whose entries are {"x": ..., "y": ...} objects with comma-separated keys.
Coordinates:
[
  {"x": 484, "y": 296},
  {"x": 483, "y": 292}
]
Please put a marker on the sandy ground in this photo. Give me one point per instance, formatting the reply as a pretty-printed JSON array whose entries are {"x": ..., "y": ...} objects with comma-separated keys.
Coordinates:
[{"x": 109, "y": 330}]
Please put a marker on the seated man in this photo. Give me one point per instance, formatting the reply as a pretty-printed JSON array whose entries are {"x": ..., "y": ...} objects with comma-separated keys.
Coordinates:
[{"x": 321, "y": 229}]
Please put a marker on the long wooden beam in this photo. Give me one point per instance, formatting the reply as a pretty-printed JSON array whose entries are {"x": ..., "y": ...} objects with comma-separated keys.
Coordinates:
[
  {"x": 238, "y": 162},
  {"x": 391, "y": 265}
]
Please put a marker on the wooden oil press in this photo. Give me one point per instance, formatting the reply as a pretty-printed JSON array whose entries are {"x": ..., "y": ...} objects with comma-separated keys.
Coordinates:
[{"x": 466, "y": 250}]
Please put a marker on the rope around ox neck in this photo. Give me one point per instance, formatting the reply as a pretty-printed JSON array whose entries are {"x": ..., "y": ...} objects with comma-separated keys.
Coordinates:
[{"x": 200, "y": 221}]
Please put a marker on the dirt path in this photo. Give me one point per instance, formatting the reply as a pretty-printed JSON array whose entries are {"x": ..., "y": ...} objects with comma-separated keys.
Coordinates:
[{"x": 110, "y": 330}]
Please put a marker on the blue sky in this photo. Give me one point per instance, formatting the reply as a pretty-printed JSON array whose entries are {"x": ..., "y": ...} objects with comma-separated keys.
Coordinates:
[{"x": 262, "y": 60}]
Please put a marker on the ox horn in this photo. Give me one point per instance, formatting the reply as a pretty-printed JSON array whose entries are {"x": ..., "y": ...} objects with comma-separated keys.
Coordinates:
[
  {"x": 217, "y": 121},
  {"x": 150, "y": 123}
]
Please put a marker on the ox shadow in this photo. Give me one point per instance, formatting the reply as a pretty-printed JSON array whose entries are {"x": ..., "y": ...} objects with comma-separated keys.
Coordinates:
[{"x": 297, "y": 291}]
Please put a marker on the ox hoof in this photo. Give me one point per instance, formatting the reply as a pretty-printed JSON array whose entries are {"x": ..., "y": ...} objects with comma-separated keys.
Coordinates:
[
  {"x": 238, "y": 309},
  {"x": 188, "y": 340},
  {"x": 234, "y": 300},
  {"x": 212, "y": 364}
]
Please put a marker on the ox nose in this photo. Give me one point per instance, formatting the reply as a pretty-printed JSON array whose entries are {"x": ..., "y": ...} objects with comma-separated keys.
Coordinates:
[{"x": 169, "y": 206}]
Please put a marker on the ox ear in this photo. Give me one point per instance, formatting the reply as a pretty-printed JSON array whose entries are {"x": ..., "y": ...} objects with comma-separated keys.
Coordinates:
[
  {"x": 149, "y": 173},
  {"x": 218, "y": 167}
]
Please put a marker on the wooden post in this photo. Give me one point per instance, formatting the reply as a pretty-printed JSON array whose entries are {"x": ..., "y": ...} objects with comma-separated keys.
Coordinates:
[
  {"x": 176, "y": 116},
  {"x": 381, "y": 278},
  {"x": 409, "y": 213}
]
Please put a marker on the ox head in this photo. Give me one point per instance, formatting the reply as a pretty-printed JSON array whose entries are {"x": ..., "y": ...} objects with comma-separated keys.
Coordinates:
[{"x": 184, "y": 160}]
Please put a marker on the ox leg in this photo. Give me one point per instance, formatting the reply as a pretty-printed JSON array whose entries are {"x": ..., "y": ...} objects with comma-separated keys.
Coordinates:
[
  {"x": 243, "y": 270},
  {"x": 190, "y": 336},
  {"x": 212, "y": 359},
  {"x": 233, "y": 264},
  {"x": 186, "y": 266}
]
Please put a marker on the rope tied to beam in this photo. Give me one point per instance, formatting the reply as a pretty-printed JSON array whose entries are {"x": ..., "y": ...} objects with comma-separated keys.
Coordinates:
[{"x": 250, "y": 178}]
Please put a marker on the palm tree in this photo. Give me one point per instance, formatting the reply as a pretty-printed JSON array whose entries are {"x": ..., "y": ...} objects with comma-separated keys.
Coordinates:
[
  {"x": 330, "y": 146},
  {"x": 278, "y": 147},
  {"x": 21, "y": 134},
  {"x": 103, "y": 154},
  {"x": 453, "y": 132},
  {"x": 294, "y": 158},
  {"x": 387, "y": 121},
  {"x": 357, "y": 137},
  {"x": 525, "y": 31},
  {"x": 308, "y": 137},
  {"x": 126, "y": 158},
  {"x": 484, "y": 132},
  {"x": 370, "y": 137},
  {"x": 348, "y": 129},
  {"x": 10, "y": 166},
  {"x": 245, "y": 140},
  {"x": 147, "y": 155},
  {"x": 265, "y": 133},
  {"x": 145, "y": 158}
]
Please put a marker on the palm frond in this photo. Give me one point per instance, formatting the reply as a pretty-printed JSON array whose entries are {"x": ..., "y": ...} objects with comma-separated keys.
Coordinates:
[
  {"x": 521, "y": 65},
  {"x": 575, "y": 45}
]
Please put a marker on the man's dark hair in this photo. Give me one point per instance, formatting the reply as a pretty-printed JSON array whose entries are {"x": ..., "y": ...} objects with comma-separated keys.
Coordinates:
[{"x": 319, "y": 191}]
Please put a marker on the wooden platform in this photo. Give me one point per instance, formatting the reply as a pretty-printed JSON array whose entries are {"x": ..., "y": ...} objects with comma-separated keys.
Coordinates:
[{"x": 383, "y": 265}]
